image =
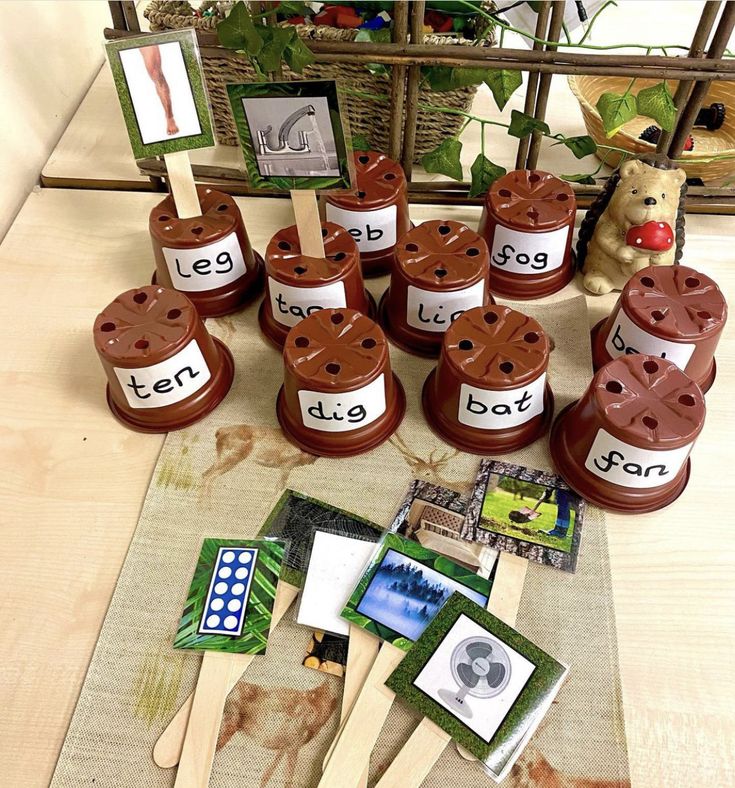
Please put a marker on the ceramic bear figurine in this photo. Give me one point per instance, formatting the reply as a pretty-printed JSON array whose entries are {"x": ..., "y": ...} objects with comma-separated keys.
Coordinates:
[{"x": 637, "y": 221}]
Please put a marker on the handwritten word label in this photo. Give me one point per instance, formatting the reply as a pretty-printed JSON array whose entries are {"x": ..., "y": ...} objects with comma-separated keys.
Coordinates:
[
  {"x": 498, "y": 410},
  {"x": 528, "y": 253},
  {"x": 291, "y": 305},
  {"x": 629, "y": 466},
  {"x": 343, "y": 412},
  {"x": 167, "y": 382},
  {"x": 626, "y": 337},
  {"x": 372, "y": 230},
  {"x": 206, "y": 267},
  {"x": 432, "y": 311}
]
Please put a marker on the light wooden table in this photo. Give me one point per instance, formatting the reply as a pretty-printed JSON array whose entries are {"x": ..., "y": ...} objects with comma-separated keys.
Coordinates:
[{"x": 73, "y": 481}]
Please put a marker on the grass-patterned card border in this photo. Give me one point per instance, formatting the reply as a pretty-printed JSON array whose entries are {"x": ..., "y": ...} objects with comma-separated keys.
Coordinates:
[
  {"x": 542, "y": 683},
  {"x": 323, "y": 88},
  {"x": 437, "y": 562},
  {"x": 190, "y": 52},
  {"x": 258, "y": 604}
]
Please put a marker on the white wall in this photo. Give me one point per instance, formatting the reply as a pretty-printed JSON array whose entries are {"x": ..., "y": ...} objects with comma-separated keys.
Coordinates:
[{"x": 50, "y": 51}]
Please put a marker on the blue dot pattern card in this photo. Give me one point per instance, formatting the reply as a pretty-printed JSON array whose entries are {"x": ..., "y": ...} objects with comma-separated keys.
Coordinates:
[{"x": 230, "y": 602}]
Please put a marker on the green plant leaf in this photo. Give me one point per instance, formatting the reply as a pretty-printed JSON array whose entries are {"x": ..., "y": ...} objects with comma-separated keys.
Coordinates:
[
  {"x": 616, "y": 109},
  {"x": 483, "y": 172},
  {"x": 378, "y": 36},
  {"x": 360, "y": 142},
  {"x": 275, "y": 41},
  {"x": 288, "y": 8},
  {"x": 521, "y": 125},
  {"x": 237, "y": 31},
  {"x": 445, "y": 159},
  {"x": 297, "y": 55},
  {"x": 579, "y": 146},
  {"x": 582, "y": 177},
  {"x": 503, "y": 83},
  {"x": 656, "y": 102},
  {"x": 441, "y": 78}
]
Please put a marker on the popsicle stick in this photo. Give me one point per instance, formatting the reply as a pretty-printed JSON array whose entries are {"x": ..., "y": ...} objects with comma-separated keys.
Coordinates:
[
  {"x": 505, "y": 596},
  {"x": 205, "y": 719},
  {"x": 362, "y": 728},
  {"x": 167, "y": 750},
  {"x": 308, "y": 222},
  {"x": 181, "y": 183}
]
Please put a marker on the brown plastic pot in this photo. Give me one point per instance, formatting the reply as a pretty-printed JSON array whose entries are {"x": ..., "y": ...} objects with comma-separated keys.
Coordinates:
[
  {"x": 377, "y": 216},
  {"x": 441, "y": 271},
  {"x": 625, "y": 444},
  {"x": 670, "y": 311},
  {"x": 528, "y": 221},
  {"x": 164, "y": 370},
  {"x": 489, "y": 393},
  {"x": 207, "y": 257},
  {"x": 339, "y": 397},
  {"x": 297, "y": 286}
]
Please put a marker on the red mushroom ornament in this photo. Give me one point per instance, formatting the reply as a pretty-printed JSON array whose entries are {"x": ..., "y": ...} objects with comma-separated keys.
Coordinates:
[{"x": 653, "y": 236}]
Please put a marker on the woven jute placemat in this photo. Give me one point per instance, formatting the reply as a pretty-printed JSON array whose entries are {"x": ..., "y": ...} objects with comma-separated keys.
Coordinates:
[{"x": 221, "y": 478}]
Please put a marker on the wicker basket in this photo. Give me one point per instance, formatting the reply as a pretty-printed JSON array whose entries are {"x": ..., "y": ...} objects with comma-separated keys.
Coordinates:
[
  {"x": 706, "y": 143},
  {"x": 366, "y": 116}
]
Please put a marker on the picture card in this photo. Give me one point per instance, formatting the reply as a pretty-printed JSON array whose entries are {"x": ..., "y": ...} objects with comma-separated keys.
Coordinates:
[
  {"x": 295, "y": 519},
  {"x": 335, "y": 566},
  {"x": 230, "y": 602},
  {"x": 530, "y": 513},
  {"x": 327, "y": 653},
  {"x": 479, "y": 680},
  {"x": 293, "y": 135},
  {"x": 404, "y": 586},
  {"x": 161, "y": 91}
]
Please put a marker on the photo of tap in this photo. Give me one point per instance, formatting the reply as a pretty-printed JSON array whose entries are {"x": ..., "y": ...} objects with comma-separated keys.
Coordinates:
[{"x": 282, "y": 144}]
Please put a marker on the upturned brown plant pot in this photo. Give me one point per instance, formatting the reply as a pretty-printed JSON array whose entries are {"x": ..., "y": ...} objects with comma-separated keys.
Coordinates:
[
  {"x": 207, "y": 257},
  {"x": 528, "y": 222},
  {"x": 441, "y": 271},
  {"x": 164, "y": 370},
  {"x": 297, "y": 286},
  {"x": 377, "y": 216},
  {"x": 625, "y": 444},
  {"x": 339, "y": 397},
  {"x": 489, "y": 393},
  {"x": 670, "y": 311}
]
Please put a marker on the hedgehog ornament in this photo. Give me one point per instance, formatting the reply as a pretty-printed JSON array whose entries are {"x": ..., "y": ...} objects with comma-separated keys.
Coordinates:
[{"x": 637, "y": 221}]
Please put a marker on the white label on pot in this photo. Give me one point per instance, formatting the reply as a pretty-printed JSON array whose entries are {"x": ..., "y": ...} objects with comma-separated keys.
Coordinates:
[
  {"x": 499, "y": 410},
  {"x": 207, "y": 267},
  {"x": 291, "y": 305},
  {"x": 167, "y": 382},
  {"x": 343, "y": 412},
  {"x": 628, "y": 466},
  {"x": 372, "y": 230},
  {"x": 528, "y": 253},
  {"x": 436, "y": 311},
  {"x": 625, "y": 338}
]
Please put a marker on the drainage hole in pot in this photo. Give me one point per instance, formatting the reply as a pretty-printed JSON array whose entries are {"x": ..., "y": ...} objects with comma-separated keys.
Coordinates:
[
  {"x": 562, "y": 197},
  {"x": 440, "y": 272},
  {"x": 534, "y": 177},
  {"x": 650, "y": 422},
  {"x": 197, "y": 230},
  {"x": 284, "y": 246},
  {"x": 533, "y": 214},
  {"x": 614, "y": 387},
  {"x": 657, "y": 314},
  {"x": 299, "y": 270},
  {"x": 506, "y": 367},
  {"x": 337, "y": 318},
  {"x": 411, "y": 248},
  {"x": 444, "y": 229},
  {"x": 368, "y": 343},
  {"x": 140, "y": 298},
  {"x": 473, "y": 251},
  {"x": 687, "y": 399},
  {"x": 222, "y": 207},
  {"x": 490, "y": 318},
  {"x": 390, "y": 176},
  {"x": 172, "y": 314},
  {"x": 325, "y": 232},
  {"x": 465, "y": 344},
  {"x": 164, "y": 218},
  {"x": 504, "y": 192},
  {"x": 704, "y": 315},
  {"x": 646, "y": 281},
  {"x": 691, "y": 281},
  {"x": 361, "y": 195},
  {"x": 650, "y": 367},
  {"x": 363, "y": 159},
  {"x": 107, "y": 327},
  {"x": 301, "y": 342},
  {"x": 339, "y": 257},
  {"x": 141, "y": 344},
  {"x": 333, "y": 368},
  {"x": 531, "y": 337}
]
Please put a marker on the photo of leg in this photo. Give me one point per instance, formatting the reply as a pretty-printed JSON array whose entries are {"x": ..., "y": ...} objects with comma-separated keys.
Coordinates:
[{"x": 152, "y": 59}]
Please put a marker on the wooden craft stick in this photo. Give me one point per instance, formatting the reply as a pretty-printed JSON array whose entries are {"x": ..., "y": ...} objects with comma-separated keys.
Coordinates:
[
  {"x": 181, "y": 183},
  {"x": 308, "y": 223},
  {"x": 167, "y": 750},
  {"x": 505, "y": 596},
  {"x": 361, "y": 654},
  {"x": 355, "y": 742}
]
